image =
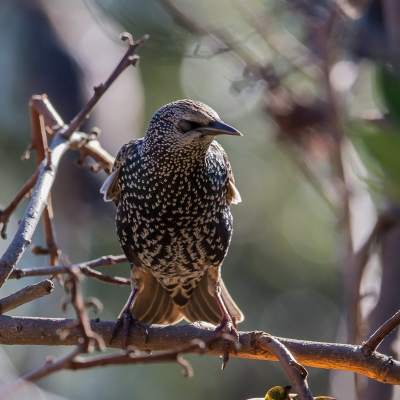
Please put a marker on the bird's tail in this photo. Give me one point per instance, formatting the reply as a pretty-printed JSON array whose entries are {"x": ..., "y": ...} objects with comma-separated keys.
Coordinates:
[
  {"x": 203, "y": 307},
  {"x": 153, "y": 304}
]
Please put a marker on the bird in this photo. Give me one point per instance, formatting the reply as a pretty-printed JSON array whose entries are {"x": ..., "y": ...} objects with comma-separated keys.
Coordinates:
[
  {"x": 173, "y": 190},
  {"x": 282, "y": 393},
  {"x": 278, "y": 393}
]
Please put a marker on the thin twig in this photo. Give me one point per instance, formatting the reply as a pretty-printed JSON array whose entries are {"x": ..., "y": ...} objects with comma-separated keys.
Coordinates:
[
  {"x": 89, "y": 339},
  {"x": 127, "y": 60},
  {"x": 6, "y": 213},
  {"x": 369, "y": 346},
  {"x": 42, "y": 106},
  {"x": 281, "y": 40},
  {"x": 85, "y": 268},
  {"x": 25, "y": 295},
  {"x": 39, "y": 144},
  {"x": 61, "y": 269},
  {"x": 47, "y": 173},
  {"x": 37, "y": 204},
  {"x": 295, "y": 371},
  {"x": 74, "y": 362},
  {"x": 221, "y": 38}
]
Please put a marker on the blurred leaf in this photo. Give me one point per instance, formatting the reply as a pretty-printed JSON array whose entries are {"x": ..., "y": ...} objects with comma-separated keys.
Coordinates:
[
  {"x": 388, "y": 84},
  {"x": 383, "y": 145}
]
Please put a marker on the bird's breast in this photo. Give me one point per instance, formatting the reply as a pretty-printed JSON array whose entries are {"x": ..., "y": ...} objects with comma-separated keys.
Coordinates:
[{"x": 177, "y": 222}]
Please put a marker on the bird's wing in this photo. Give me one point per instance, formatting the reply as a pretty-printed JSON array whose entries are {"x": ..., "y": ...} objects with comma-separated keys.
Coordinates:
[
  {"x": 232, "y": 195},
  {"x": 111, "y": 188}
]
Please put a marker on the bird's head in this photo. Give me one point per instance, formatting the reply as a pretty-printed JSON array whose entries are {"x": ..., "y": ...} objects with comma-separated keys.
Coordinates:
[{"x": 186, "y": 123}]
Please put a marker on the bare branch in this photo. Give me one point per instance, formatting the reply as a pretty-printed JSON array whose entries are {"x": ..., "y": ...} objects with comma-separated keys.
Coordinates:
[
  {"x": 42, "y": 106},
  {"x": 280, "y": 40},
  {"x": 127, "y": 60},
  {"x": 39, "y": 144},
  {"x": 34, "y": 211},
  {"x": 104, "y": 278},
  {"x": 379, "y": 335},
  {"x": 43, "y": 331},
  {"x": 359, "y": 261},
  {"x": 295, "y": 371},
  {"x": 6, "y": 213},
  {"x": 59, "y": 146},
  {"x": 85, "y": 268},
  {"x": 25, "y": 295}
]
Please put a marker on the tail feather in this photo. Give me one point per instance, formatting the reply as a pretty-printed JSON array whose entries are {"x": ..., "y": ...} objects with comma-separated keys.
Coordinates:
[
  {"x": 203, "y": 307},
  {"x": 154, "y": 305},
  {"x": 233, "y": 309}
]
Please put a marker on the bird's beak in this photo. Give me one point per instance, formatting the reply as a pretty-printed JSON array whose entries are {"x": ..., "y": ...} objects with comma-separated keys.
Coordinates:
[{"x": 215, "y": 128}]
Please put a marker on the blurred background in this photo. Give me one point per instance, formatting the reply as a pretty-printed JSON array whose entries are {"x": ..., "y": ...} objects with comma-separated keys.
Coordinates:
[{"x": 314, "y": 86}]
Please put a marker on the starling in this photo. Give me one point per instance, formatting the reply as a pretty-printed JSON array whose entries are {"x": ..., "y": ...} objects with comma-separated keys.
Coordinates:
[{"x": 173, "y": 189}]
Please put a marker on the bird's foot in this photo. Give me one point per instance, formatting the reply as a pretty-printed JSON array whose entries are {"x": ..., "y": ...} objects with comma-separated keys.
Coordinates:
[
  {"x": 227, "y": 325},
  {"x": 125, "y": 319}
]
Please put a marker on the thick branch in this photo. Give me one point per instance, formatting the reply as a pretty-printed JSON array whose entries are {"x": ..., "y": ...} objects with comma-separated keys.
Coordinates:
[
  {"x": 35, "y": 209},
  {"x": 41, "y": 331}
]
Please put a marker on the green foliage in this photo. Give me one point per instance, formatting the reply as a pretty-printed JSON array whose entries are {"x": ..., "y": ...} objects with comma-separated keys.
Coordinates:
[
  {"x": 388, "y": 86},
  {"x": 380, "y": 146}
]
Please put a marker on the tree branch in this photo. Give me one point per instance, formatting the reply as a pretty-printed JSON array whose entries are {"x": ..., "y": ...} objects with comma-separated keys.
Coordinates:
[
  {"x": 85, "y": 268},
  {"x": 127, "y": 60},
  {"x": 44, "y": 331},
  {"x": 295, "y": 371},
  {"x": 47, "y": 170},
  {"x": 25, "y": 295},
  {"x": 379, "y": 335}
]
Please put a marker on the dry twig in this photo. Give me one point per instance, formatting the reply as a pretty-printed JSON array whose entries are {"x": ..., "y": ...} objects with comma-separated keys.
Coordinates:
[
  {"x": 369, "y": 346},
  {"x": 62, "y": 141},
  {"x": 295, "y": 371},
  {"x": 86, "y": 268},
  {"x": 25, "y": 295}
]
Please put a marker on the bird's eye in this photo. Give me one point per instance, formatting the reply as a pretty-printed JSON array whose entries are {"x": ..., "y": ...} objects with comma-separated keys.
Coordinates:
[{"x": 186, "y": 126}]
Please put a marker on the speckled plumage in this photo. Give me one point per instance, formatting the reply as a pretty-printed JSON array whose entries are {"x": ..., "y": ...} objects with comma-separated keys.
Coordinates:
[{"x": 173, "y": 189}]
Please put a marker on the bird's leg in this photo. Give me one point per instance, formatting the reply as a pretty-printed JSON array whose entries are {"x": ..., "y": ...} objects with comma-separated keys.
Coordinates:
[
  {"x": 227, "y": 325},
  {"x": 125, "y": 318}
]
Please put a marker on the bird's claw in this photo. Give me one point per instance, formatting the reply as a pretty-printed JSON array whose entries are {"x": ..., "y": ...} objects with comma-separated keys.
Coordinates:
[
  {"x": 227, "y": 326},
  {"x": 125, "y": 319}
]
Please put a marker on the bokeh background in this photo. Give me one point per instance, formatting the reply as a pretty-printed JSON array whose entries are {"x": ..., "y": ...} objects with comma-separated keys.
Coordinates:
[{"x": 314, "y": 88}]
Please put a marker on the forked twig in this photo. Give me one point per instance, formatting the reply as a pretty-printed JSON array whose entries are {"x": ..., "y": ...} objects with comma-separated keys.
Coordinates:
[
  {"x": 370, "y": 345},
  {"x": 295, "y": 371},
  {"x": 47, "y": 171},
  {"x": 90, "y": 339},
  {"x": 86, "y": 268},
  {"x": 127, "y": 60}
]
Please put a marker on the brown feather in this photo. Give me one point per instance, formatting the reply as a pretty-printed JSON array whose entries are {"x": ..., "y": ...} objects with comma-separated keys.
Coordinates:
[{"x": 153, "y": 304}]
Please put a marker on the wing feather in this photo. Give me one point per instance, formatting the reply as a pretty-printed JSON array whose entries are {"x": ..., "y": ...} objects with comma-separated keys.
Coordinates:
[{"x": 110, "y": 187}]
